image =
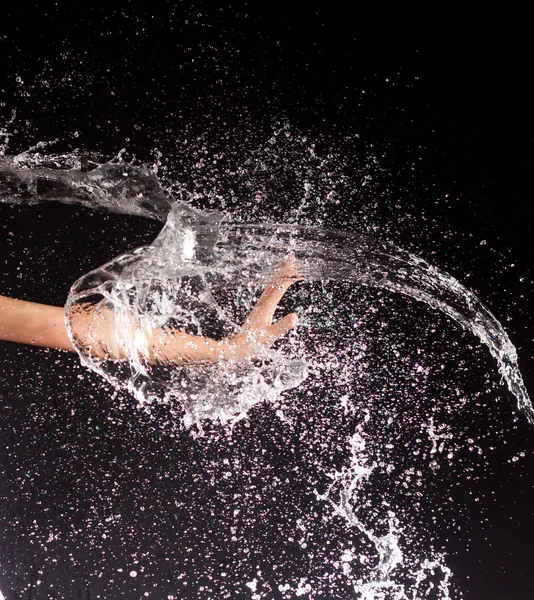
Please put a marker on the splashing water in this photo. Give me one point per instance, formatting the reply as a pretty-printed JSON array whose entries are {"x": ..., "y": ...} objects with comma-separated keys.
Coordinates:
[
  {"x": 200, "y": 275},
  {"x": 199, "y": 257}
]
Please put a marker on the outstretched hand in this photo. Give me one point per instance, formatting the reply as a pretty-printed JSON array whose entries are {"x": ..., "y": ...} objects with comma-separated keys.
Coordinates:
[
  {"x": 178, "y": 347},
  {"x": 258, "y": 326},
  {"x": 95, "y": 328}
]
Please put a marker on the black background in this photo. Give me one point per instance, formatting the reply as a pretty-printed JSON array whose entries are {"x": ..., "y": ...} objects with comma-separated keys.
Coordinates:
[{"x": 443, "y": 101}]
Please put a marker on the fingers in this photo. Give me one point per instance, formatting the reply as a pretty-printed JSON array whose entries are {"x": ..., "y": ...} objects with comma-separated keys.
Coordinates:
[
  {"x": 287, "y": 271},
  {"x": 285, "y": 276},
  {"x": 268, "y": 335},
  {"x": 262, "y": 313}
]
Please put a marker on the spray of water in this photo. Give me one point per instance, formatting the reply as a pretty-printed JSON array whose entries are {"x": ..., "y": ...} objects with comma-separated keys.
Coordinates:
[
  {"x": 200, "y": 256},
  {"x": 200, "y": 274}
]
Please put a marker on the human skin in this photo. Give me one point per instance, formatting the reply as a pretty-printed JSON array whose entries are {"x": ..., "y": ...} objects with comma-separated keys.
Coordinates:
[{"x": 43, "y": 325}]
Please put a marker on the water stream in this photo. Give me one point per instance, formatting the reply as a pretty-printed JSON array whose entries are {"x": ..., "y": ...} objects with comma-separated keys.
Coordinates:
[
  {"x": 202, "y": 274},
  {"x": 200, "y": 255}
]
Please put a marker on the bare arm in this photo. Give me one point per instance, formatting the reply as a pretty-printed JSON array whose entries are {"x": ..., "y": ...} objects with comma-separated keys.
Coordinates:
[
  {"x": 32, "y": 323},
  {"x": 42, "y": 325}
]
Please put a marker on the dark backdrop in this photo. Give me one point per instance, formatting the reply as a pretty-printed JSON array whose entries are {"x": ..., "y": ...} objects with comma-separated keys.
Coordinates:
[{"x": 444, "y": 103}]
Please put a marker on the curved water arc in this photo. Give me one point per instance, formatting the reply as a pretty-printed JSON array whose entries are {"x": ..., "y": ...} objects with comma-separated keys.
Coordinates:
[
  {"x": 218, "y": 242},
  {"x": 336, "y": 255}
]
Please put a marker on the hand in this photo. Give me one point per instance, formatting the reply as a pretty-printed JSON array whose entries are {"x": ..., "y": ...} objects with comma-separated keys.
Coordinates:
[
  {"x": 258, "y": 326},
  {"x": 95, "y": 329}
]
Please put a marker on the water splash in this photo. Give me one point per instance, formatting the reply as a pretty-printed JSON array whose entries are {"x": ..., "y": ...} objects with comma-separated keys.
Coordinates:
[
  {"x": 395, "y": 575},
  {"x": 213, "y": 255},
  {"x": 78, "y": 178},
  {"x": 200, "y": 274}
]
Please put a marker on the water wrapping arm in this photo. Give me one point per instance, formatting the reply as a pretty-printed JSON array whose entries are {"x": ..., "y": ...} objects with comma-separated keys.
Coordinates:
[
  {"x": 106, "y": 333},
  {"x": 43, "y": 325},
  {"x": 98, "y": 328}
]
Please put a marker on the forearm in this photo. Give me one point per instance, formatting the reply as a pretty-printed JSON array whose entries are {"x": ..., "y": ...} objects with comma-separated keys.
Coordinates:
[
  {"x": 35, "y": 324},
  {"x": 106, "y": 335}
]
